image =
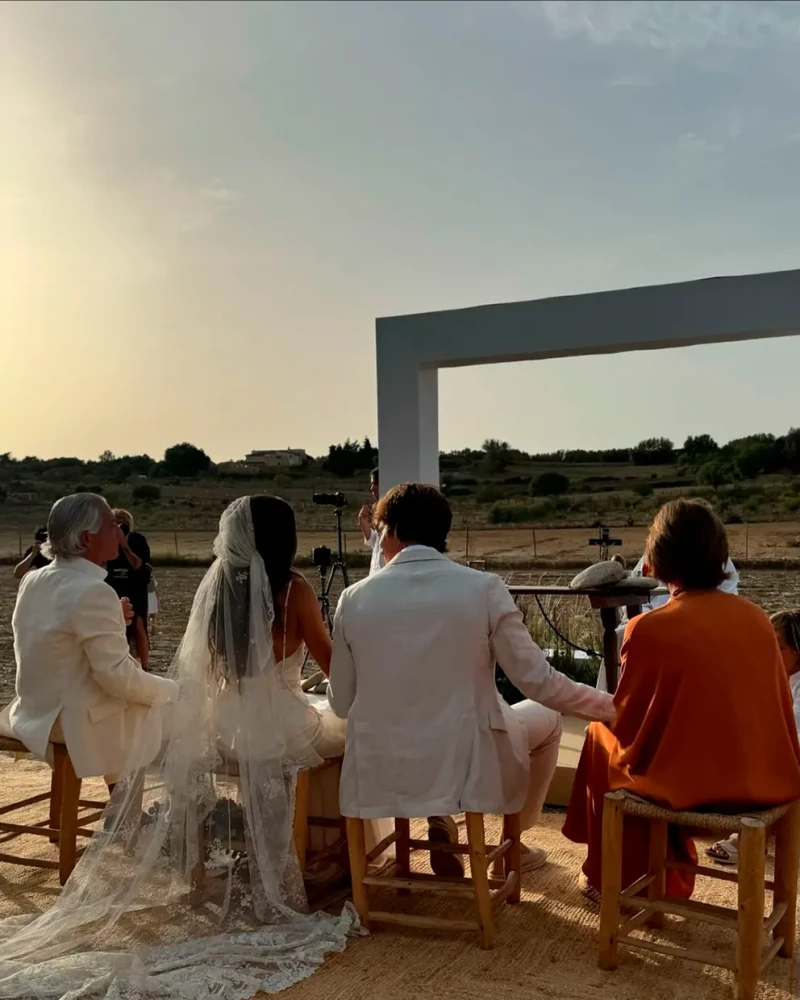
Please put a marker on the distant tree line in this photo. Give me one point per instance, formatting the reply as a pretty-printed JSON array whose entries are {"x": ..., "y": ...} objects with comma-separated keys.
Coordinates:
[
  {"x": 746, "y": 457},
  {"x": 181, "y": 460},
  {"x": 701, "y": 458}
]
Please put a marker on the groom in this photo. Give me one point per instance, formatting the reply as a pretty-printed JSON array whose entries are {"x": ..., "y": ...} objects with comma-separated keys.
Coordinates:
[{"x": 414, "y": 653}]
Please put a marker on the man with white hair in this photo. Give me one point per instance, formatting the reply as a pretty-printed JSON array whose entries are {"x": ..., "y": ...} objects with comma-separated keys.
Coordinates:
[{"x": 76, "y": 681}]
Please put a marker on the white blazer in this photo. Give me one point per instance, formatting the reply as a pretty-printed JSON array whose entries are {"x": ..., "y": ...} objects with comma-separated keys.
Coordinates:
[
  {"x": 73, "y": 662},
  {"x": 414, "y": 652}
]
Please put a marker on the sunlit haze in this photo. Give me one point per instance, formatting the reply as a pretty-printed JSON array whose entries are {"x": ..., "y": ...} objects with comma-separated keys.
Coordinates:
[{"x": 205, "y": 206}]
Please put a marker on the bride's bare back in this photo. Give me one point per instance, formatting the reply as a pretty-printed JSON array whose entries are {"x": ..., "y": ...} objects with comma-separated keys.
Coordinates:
[{"x": 302, "y": 618}]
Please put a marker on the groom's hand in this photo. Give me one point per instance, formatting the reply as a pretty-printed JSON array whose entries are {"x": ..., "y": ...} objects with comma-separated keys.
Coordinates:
[{"x": 365, "y": 519}]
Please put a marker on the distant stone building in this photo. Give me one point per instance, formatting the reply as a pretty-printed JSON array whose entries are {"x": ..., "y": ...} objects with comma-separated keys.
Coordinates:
[{"x": 288, "y": 458}]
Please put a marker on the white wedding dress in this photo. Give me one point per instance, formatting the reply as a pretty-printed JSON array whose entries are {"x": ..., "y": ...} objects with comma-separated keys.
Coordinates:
[
  {"x": 307, "y": 721},
  {"x": 216, "y": 817}
]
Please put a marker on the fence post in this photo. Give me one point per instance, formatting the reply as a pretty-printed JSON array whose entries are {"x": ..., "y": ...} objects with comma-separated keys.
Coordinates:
[
  {"x": 533, "y": 532},
  {"x": 746, "y": 541},
  {"x": 19, "y": 538},
  {"x": 175, "y": 535},
  {"x": 466, "y": 546}
]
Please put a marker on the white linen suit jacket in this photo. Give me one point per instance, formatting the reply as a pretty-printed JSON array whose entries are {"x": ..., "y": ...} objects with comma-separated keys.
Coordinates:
[
  {"x": 414, "y": 651},
  {"x": 73, "y": 661}
]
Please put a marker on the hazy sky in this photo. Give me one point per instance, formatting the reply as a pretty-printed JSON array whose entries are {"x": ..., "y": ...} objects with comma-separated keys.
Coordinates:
[{"x": 204, "y": 206}]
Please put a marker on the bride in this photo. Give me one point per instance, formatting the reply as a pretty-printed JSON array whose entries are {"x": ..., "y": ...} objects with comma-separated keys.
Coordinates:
[{"x": 191, "y": 887}]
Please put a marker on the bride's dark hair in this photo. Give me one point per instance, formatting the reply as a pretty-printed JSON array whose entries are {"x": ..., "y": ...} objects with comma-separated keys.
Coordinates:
[
  {"x": 275, "y": 535},
  {"x": 275, "y": 531}
]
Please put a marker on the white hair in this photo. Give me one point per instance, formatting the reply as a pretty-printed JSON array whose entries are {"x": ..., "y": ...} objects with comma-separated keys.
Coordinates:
[{"x": 70, "y": 518}]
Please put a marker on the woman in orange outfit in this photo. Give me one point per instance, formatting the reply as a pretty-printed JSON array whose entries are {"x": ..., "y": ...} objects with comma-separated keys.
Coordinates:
[{"x": 704, "y": 709}]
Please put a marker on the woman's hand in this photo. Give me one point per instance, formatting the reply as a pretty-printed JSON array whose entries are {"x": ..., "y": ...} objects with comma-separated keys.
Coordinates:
[{"x": 365, "y": 522}]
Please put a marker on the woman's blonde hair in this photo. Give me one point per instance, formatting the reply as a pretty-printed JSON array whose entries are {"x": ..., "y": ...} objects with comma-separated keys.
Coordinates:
[{"x": 126, "y": 516}]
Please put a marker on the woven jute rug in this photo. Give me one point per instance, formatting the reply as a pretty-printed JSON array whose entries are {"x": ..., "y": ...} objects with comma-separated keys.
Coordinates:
[{"x": 546, "y": 946}]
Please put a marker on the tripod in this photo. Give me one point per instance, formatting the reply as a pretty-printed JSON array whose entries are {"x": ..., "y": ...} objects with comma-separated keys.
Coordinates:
[{"x": 328, "y": 569}]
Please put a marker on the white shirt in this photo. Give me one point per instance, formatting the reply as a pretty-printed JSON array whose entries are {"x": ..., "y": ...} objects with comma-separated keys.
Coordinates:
[
  {"x": 728, "y": 586},
  {"x": 377, "y": 561},
  {"x": 794, "y": 684}
]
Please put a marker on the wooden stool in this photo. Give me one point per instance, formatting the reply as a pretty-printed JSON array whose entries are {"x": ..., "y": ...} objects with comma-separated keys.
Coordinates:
[
  {"x": 303, "y": 822},
  {"x": 759, "y": 940},
  {"x": 200, "y": 883},
  {"x": 488, "y": 892},
  {"x": 64, "y": 824}
]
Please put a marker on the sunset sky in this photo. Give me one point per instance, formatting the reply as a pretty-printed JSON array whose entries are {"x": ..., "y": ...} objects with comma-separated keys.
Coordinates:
[{"x": 204, "y": 206}]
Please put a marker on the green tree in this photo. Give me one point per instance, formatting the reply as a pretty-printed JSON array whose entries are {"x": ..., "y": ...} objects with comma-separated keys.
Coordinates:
[
  {"x": 549, "y": 484},
  {"x": 754, "y": 459},
  {"x": 715, "y": 473},
  {"x": 347, "y": 459},
  {"x": 654, "y": 451},
  {"x": 185, "y": 460},
  {"x": 699, "y": 446},
  {"x": 497, "y": 455},
  {"x": 791, "y": 449},
  {"x": 147, "y": 492}
]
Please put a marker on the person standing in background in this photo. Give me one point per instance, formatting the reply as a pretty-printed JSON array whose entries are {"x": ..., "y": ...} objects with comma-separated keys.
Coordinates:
[
  {"x": 129, "y": 575},
  {"x": 33, "y": 558},
  {"x": 152, "y": 603},
  {"x": 371, "y": 537}
]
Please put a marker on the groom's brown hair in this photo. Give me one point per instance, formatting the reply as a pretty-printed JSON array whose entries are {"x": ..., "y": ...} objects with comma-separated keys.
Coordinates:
[{"x": 416, "y": 514}]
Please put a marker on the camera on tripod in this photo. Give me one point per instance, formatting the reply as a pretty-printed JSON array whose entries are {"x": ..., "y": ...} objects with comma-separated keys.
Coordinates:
[
  {"x": 338, "y": 500},
  {"x": 322, "y": 557}
]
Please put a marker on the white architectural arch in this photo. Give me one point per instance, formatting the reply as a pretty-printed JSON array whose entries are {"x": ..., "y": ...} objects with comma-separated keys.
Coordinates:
[{"x": 411, "y": 349}]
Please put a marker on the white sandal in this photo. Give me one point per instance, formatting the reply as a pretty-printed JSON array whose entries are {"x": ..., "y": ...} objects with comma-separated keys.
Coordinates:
[{"x": 725, "y": 852}]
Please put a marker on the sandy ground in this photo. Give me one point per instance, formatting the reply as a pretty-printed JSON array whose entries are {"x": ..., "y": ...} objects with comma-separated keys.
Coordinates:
[{"x": 546, "y": 947}]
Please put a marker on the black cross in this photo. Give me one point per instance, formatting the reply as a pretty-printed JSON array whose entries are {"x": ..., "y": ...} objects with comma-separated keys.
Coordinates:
[{"x": 605, "y": 541}]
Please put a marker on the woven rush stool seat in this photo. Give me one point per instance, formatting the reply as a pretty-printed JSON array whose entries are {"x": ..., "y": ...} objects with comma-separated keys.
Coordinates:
[
  {"x": 64, "y": 823},
  {"x": 760, "y": 937},
  {"x": 716, "y": 821},
  {"x": 488, "y": 893}
]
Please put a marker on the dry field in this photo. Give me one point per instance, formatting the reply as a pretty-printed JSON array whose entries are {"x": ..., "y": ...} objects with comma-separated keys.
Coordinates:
[
  {"x": 773, "y": 589},
  {"x": 513, "y": 546}
]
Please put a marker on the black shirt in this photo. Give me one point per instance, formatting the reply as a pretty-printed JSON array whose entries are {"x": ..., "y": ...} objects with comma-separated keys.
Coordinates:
[
  {"x": 123, "y": 578},
  {"x": 39, "y": 561}
]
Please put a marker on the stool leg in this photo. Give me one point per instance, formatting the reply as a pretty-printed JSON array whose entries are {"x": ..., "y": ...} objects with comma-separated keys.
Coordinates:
[
  {"x": 402, "y": 848},
  {"x": 56, "y": 786},
  {"x": 513, "y": 857},
  {"x": 68, "y": 830},
  {"x": 657, "y": 890},
  {"x": 751, "y": 908},
  {"x": 613, "y": 820},
  {"x": 358, "y": 868},
  {"x": 480, "y": 878},
  {"x": 787, "y": 861},
  {"x": 302, "y": 791}
]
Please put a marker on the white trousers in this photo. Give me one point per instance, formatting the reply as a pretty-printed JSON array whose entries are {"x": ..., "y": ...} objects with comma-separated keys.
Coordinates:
[{"x": 544, "y": 738}]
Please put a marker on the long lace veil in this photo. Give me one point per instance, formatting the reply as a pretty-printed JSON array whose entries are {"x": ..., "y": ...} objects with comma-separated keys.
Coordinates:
[{"x": 190, "y": 887}]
